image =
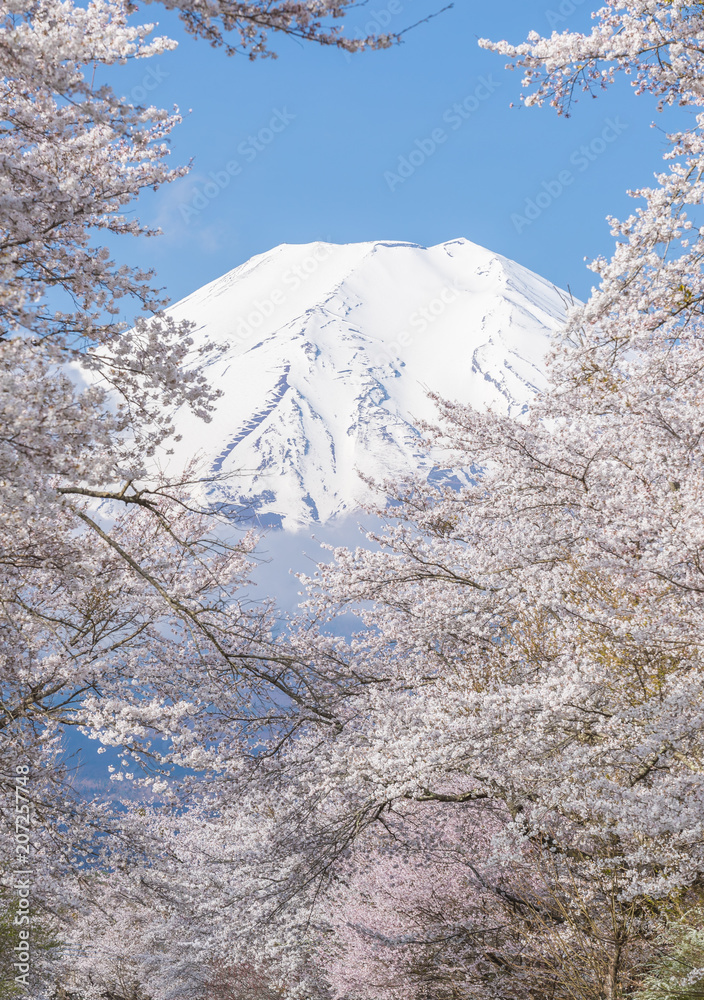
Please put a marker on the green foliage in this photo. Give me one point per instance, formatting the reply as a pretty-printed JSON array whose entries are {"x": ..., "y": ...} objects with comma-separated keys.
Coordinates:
[
  {"x": 679, "y": 975},
  {"x": 9, "y": 938},
  {"x": 42, "y": 943}
]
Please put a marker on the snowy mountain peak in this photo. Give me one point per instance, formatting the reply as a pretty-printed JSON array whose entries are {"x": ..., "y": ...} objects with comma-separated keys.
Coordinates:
[{"x": 327, "y": 355}]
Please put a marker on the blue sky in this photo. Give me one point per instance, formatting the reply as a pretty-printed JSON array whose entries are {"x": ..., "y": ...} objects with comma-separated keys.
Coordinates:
[
  {"x": 334, "y": 130},
  {"x": 313, "y": 145}
]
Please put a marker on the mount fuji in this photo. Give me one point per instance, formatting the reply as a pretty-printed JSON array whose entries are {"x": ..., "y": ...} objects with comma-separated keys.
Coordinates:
[{"x": 327, "y": 352}]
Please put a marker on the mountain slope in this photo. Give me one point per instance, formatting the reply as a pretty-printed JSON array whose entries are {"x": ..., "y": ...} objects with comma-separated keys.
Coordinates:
[{"x": 327, "y": 355}]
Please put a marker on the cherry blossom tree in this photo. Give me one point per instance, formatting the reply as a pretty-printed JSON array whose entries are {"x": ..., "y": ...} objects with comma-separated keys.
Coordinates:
[
  {"x": 432, "y": 910},
  {"x": 244, "y": 27},
  {"x": 119, "y": 610},
  {"x": 548, "y": 619},
  {"x": 531, "y": 641},
  {"x": 496, "y": 785}
]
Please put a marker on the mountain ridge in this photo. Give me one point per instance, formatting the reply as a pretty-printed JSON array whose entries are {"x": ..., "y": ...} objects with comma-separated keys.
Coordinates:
[{"x": 326, "y": 354}]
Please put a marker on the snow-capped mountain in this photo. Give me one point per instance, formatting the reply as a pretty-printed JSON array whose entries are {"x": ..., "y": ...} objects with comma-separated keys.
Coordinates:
[{"x": 327, "y": 355}]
